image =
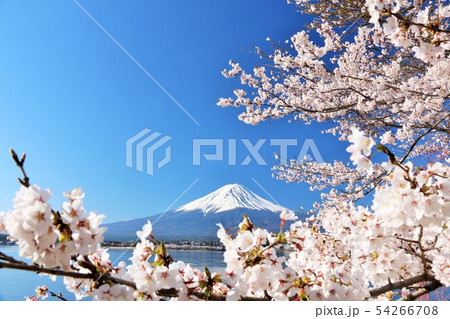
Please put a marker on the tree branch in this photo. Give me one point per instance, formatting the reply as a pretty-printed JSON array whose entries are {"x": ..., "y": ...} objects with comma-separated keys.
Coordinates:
[
  {"x": 402, "y": 284},
  {"x": 422, "y": 292},
  {"x": 173, "y": 293},
  {"x": 57, "y": 296},
  {"x": 165, "y": 293},
  {"x": 25, "y": 181},
  {"x": 47, "y": 271}
]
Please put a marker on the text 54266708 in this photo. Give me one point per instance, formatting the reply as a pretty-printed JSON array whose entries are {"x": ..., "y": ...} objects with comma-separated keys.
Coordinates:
[{"x": 378, "y": 311}]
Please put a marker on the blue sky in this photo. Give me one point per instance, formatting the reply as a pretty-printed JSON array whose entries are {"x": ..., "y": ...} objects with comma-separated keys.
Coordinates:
[{"x": 70, "y": 98}]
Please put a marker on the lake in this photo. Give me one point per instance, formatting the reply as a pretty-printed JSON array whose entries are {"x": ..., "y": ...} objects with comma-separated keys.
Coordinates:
[{"x": 16, "y": 285}]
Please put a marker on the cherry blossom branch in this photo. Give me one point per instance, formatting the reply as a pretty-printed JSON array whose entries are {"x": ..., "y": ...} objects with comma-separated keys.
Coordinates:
[
  {"x": 18, "y": 265},
  {"x": 58, "y": 296},
  {"x": 47, "y": 271},
  {"x": 173, "y": 293},
  {"x": 166, "y": 293},
  {"x": 422, "y": 292},
  {"x": 410, "y": 22},
  {"x": 9, "y": 259},
  {"x": 422, "y": 136},
  {"x": 25, "y": 181},
  {"x": 401, "y": 284}
]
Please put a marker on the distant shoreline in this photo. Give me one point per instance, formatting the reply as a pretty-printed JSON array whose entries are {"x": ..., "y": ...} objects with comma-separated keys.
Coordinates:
[
  {"x": 169, "y": 247},
  {"x": 188, "y": 248},
  {"x": 173, "y": 247}
]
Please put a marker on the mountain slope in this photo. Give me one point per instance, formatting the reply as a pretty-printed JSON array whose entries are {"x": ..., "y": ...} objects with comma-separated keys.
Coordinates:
[
  {"x": 199, "y": 219},
  {"x": 230, "y": 197}
]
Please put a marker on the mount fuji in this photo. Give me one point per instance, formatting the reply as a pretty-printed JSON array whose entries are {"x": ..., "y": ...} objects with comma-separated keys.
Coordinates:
[{"x": 199, "y": 219}]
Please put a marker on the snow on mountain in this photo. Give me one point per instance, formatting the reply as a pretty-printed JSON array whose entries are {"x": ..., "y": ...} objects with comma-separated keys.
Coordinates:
[
  {"x": 228, "y": 198},
  {"x": 199, "y": 219}
]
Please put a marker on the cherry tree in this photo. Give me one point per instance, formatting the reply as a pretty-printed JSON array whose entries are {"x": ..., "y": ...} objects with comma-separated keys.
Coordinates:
[
  {"x": 382, "y": 66},
  {"x": 380, "y": 72},
  {"x": 380, "y": 77}
]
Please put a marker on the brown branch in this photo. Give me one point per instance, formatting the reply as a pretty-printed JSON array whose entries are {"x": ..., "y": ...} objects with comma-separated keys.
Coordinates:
[
  {"x": 47, "y": 271},
  {"x": 62, "y": 273},
  {"x": 400, "y": 285},
  {"x": 173, "y": 293},
  {"x": 58, "y": 296},
  {"x": 410, "y": 22},
  {"x": 165, "y": 293},
  {"x": 25, "y": 181},
  {"x": 420, "y": 137},
  {"x": 9, "y": 259},
  {"x": 422, "y": 292}
]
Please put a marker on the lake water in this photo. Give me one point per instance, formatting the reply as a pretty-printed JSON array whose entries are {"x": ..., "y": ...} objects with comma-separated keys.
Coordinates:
[{"x": 16, "y": 285}]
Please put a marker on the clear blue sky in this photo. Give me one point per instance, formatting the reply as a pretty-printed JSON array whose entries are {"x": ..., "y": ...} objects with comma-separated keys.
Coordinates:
[{"x": 70, "y": 98}]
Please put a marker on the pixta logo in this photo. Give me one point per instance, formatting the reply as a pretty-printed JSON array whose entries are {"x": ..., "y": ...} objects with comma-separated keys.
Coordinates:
[
  {"x": 141, "y": 150},
  {"x": 145, "y": 150},
  {"x": 253, "y": 151}
]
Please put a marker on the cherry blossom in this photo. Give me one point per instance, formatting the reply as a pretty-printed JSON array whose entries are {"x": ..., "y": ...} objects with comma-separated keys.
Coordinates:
[{"x": 288, "y": 215}]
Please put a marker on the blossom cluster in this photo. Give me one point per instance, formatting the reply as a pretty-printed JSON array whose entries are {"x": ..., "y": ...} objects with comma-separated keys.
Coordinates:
[
  {"x": 99, "y": 263},
  {"x": 382, "y": 66},
  {"x": 47, "y": 237},
  {"x": 361, "y": 148},
  {"x": 406, "y": 24},
  {"x": 41, "y": 294},
  {"x": 390, "y": 91}
]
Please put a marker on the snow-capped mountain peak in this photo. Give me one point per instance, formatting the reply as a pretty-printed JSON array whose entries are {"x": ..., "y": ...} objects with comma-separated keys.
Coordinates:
[
  {"x": 199, "y": 219},
  {"x": 228, "y": 198}
]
